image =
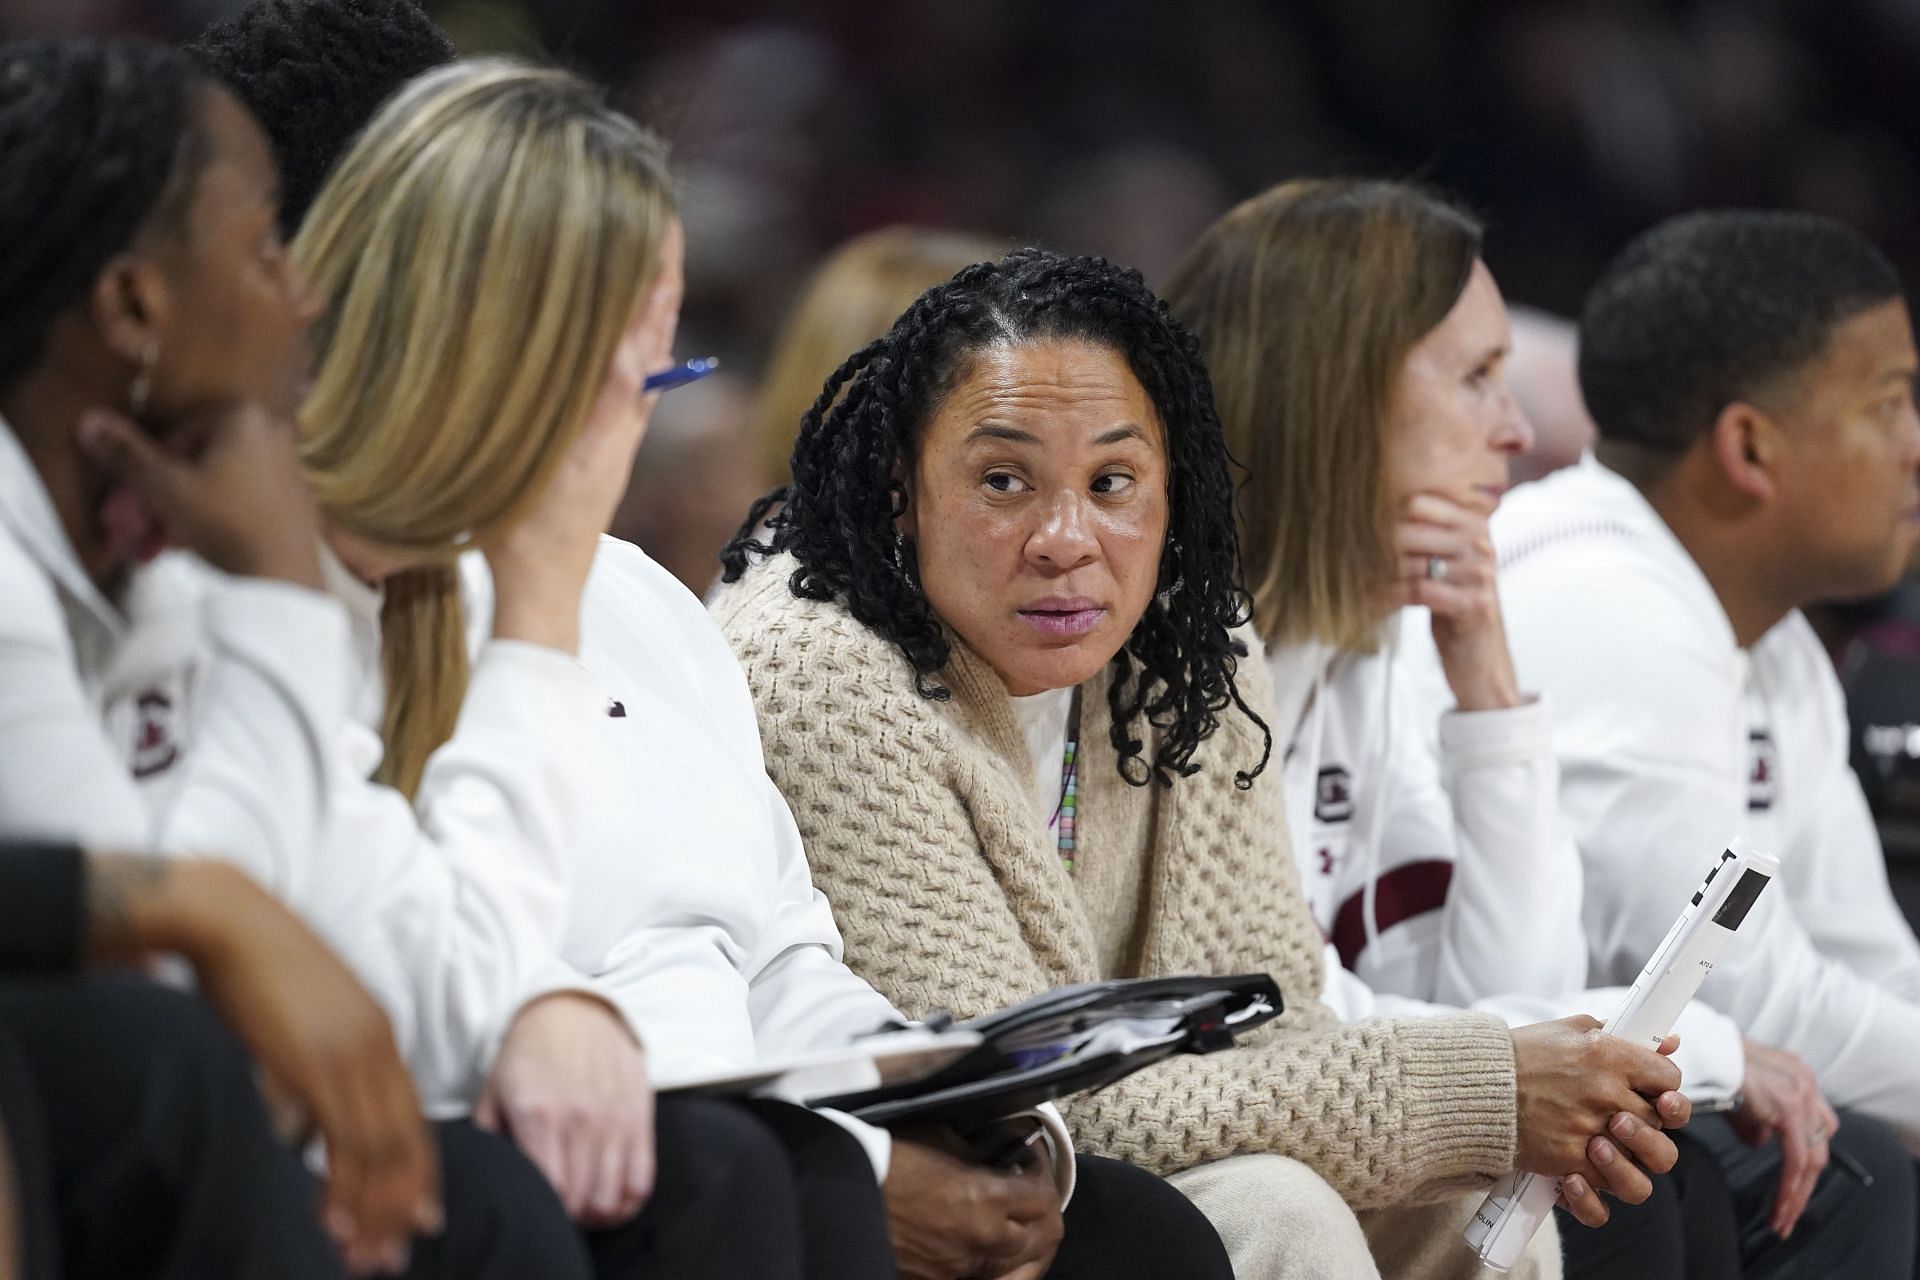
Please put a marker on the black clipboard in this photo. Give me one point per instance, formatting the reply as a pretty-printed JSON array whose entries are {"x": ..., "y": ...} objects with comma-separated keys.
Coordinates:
[{"x": 1006, "y": 1074}]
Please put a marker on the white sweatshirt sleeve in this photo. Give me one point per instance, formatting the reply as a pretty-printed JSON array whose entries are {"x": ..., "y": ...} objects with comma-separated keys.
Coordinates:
[
  {"x": 1838, "y": 876},
  {"x": 1489, "y": 804},
  {"x": 1651, "y": 738},
  {"x": 453, "y": 907},
  {"x": 802, "y": 995},
  {"x": 1834, "y": 864},
  {"x": 698, "y": 914},
  {"x": 59, "y": 775},
  {"x": 253, "y": 782},
  {"x": 733, "y": 955}
]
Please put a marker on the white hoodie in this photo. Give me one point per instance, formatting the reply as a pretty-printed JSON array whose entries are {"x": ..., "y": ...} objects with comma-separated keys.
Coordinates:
[
  {"x": 1443, "y": 878},
  {"x": 1433, "y": 852},
  {"x": 81, "y": 718},
  {"x": 1657, "y": 712},
  {"x": 205, "y": 714}
]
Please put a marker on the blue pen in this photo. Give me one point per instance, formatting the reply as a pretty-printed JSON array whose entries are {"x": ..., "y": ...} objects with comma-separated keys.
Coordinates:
[{"x": 680, "y": 375}]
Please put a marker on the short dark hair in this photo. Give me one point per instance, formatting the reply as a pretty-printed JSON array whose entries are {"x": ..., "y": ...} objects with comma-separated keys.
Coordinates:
[
  {"x": 314, "y": 72},
  {"x": 1176, "y": 672},
  {"x": 98, "y": 139},
  {"x": 1708, "y": 309}
]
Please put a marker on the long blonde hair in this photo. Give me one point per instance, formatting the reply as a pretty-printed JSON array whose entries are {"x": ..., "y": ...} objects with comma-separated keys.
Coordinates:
[
  {"x": 852, "y": 298},
  {"x": 479, "y": 252},
  {"x": 1307, "y": 299}
]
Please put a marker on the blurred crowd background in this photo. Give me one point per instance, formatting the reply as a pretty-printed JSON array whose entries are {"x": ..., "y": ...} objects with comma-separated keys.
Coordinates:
[{"x": 1123, "y": 127}]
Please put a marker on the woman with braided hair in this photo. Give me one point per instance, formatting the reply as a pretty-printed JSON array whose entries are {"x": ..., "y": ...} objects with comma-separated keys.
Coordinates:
[
  {"x": 998, "y": 644},
  {"x": 691, "y": 907}
]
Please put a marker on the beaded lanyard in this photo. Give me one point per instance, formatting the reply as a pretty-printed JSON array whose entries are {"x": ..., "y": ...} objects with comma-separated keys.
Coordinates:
[{"x": 1069, "y": 805}]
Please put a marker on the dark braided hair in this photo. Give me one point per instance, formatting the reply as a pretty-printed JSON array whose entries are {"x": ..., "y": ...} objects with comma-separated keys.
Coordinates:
[
  {"x": 314, "y": 72},
  {"x": 837, "y": 517},
  {"x": 98, "y": 139}
]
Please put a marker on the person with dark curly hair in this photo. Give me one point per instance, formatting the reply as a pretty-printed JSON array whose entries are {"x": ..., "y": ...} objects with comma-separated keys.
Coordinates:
[
  {"x": 283, "y": 57},
  {"x": 998, "y": 643},
  {"x": 713, "y": 974}
]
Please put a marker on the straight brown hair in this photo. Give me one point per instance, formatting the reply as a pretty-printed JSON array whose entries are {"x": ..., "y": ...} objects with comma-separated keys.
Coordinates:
[{"x": 1307, "y": 299}]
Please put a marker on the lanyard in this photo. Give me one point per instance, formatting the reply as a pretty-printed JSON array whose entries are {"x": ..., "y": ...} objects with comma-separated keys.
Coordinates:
[{"x": 1068, "y": 809}]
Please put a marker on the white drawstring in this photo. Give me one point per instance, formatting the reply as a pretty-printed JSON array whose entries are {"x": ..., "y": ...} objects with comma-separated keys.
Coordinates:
[{"x": 1367, "y": 812}]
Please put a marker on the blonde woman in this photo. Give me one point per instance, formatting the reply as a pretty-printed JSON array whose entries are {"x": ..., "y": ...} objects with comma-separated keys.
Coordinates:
[{"x": 498, "y": 263}]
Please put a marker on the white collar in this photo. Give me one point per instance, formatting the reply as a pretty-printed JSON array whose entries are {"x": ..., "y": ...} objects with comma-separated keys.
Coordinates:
[
  {"x": 26, "y": 508},
  {"x": 1588, "y": 499},
  {"x": 1036, "y": 710},
  {"x": 363, "y": 601}
]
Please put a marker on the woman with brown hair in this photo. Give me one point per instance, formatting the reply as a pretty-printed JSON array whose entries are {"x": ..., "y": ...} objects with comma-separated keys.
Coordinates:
[{"x": 1356, "y": 343}]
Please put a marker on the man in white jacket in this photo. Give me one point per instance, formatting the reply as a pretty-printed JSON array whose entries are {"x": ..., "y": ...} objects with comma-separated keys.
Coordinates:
[{"x": 1752, "y": 378}]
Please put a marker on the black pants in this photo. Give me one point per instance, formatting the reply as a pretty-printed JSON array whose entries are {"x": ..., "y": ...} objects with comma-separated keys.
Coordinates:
[
  {"x": 1684, "y": 1231},
  {"x": 1126, "y": 1224},
  {"x": 1849, "y": 1229},
  {"x": 142, "y": 1151},
  {"x": 758, "y": 1189},
  {"x": 1123, "y": 1224},
  {"x": 1708, "y": 1219},
  {"x": 140, "y": 1145}
]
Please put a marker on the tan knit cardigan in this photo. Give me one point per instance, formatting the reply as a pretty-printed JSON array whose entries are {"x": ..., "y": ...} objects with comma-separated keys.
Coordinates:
[{"x": 921, "y": 830}]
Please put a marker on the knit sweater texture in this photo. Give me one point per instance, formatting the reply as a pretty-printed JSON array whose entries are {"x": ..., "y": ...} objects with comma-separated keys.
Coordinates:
[{"x": 919, "y": 828}]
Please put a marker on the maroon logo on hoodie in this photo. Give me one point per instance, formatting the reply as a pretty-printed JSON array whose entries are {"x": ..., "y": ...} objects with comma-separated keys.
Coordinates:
[
  {"x": 1760, "y": 773},
  {"x": 1333, "y": 795},
  {"x": 154, "y": 748}
]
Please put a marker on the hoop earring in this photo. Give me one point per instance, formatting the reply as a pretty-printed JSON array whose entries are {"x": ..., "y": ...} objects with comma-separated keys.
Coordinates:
[{"x": 142, "y": 385}]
